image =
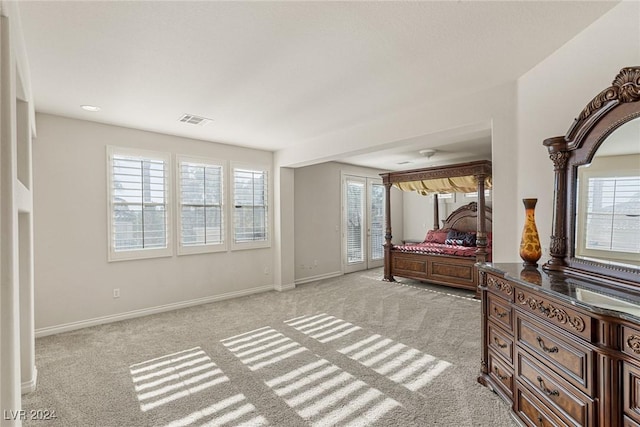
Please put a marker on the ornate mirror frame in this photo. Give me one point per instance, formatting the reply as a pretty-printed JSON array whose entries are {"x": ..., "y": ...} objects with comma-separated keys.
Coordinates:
[{"x": 610, "y": 109}]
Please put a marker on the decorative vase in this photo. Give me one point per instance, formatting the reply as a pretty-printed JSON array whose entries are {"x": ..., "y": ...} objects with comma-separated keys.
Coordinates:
[{"x": 530, "y": 250}]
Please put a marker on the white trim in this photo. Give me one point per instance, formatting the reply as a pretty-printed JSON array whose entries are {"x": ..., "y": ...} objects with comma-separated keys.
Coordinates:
[
  {"x": 65, "y": 327},
  {"x": 112, "y": 255},
  {"x": 585, "y": 174},
  {"x": 207, "y": 248},
  {"x": 30, "y": 386},
  {"x": 319, "y": 277},
  {"x": 286, "y": 287}
]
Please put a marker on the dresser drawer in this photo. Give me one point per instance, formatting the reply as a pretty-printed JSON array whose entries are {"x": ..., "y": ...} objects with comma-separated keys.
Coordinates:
[
  {"x": 501, "y": 373},
  {"x": 500, "y": 287},
  {"x": 572, "y": 359},
  {"x": 631, "y": 342},
  {"x": 556, "y": 313},
  {"x": 533, "y": 412},
  {"x": 500, "y": 342},
  {"x": 500, "y": 312},
  {"x": 631, "y": 391},
  {"x": 570, "y": 404}
]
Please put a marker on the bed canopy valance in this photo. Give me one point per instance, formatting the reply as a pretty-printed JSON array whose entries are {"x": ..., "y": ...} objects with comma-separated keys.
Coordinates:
[
  {"x": 465, "y": 177},
  {"x": 458, "y": 184}
]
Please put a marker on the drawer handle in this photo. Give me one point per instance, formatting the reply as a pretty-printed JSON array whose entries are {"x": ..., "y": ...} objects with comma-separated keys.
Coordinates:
[
  {"x": 540, "y": 420},
  {"x": 634, "y": 343},
  {"x": 546, "y": 349},
  {"x": 499, "y": 313},
  {"x": 546, "y": 390},
  {"x": 498, "y": 343},
  {"x": 500, "y": 376}
]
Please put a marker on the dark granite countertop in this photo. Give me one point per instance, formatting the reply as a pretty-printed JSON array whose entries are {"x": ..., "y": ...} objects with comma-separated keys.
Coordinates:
[{"x": 586, "y": 294}]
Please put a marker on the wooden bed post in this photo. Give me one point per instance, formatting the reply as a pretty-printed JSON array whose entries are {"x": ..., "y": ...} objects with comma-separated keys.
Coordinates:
[
  {"x": 436, "y": 215},
  {"x": 481, "y": 236},
  {"x": 388, "y": 277}
]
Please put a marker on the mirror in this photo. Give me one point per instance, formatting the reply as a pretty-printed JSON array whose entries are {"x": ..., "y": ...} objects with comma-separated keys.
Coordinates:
[
  {"x": 596, "y": 213},
  {"x": 608, "y": 201}
]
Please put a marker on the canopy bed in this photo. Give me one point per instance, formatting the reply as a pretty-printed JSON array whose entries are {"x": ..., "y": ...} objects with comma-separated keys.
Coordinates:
[
  {"x": 447, "y": 255},
  {"x": 561, "y": 343}
]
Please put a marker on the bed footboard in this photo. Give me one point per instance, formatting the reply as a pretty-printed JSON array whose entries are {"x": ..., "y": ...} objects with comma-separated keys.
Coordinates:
[{"x": 458, "y": 272}]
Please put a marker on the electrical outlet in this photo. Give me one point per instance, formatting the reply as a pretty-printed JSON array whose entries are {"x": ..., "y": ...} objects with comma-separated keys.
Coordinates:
[
  {"x": 315, "y": 262},
  {"x": 116, "y": 292},
  {"x": 266, "y": 270}
]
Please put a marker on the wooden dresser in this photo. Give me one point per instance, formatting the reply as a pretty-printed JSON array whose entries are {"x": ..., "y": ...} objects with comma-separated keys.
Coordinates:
[{"x": 563, "y": 351}]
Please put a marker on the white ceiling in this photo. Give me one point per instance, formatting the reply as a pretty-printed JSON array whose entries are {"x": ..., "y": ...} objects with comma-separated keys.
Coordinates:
[{"x": 276, "y": 74}]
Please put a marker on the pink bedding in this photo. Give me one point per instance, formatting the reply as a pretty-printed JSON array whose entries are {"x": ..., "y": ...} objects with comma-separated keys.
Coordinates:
[{"x": 439, "y": 249}]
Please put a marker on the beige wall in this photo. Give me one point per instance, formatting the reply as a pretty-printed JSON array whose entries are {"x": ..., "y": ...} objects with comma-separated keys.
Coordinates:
[
  {"x": 74, "y": 280},
  {"x": 553, "y": 93},
  {"x": 318, "y": 225}
]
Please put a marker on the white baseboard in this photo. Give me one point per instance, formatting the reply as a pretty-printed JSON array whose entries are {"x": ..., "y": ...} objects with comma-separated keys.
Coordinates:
[
  {"x": 30, "y": 386},
  {"x": 286, "y": 287},
  {"x": 318, "y": 277},
  {"x": 65, "y": 327}
]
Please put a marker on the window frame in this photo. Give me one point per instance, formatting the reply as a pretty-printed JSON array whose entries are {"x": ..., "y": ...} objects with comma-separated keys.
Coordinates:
[
  {"x": 144, "y": 253},
  {"x": 581, "y": 251},
  {"x": 203, "y": 248},
  {"x": 254, "y": 244}
]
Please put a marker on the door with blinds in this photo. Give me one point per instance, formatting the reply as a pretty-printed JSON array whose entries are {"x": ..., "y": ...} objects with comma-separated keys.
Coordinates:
[{"x": 362, "y": 223}]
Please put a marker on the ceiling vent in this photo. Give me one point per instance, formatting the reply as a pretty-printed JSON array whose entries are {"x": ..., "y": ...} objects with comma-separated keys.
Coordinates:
[{"x": 194, "y": 120}]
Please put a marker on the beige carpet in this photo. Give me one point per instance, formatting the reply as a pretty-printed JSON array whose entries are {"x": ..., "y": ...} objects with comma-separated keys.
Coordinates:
[{"x": 347, "y": 351}]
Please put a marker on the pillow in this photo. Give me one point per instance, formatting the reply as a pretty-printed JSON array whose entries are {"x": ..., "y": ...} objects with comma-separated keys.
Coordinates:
[
  {"x": 436, "y": 236},
  {"x": 460, "y": 238}
]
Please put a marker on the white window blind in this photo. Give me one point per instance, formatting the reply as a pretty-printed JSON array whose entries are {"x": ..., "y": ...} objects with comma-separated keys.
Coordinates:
[
  {"x": 139, "y": 202},
  {"x": 377, "y": 221},
  {"x": 251, "y": 210},
  {"x": 201, "y": 204},
  {"x": 355, "y": 218},
  {"x": 613, "y": 214}
]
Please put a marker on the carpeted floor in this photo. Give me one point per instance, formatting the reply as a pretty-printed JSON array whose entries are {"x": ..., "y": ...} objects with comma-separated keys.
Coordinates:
[{"x": 346, "y": 351}]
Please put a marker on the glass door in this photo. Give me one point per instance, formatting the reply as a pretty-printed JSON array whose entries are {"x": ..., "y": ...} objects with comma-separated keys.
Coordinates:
[{"x": 363, "y": 223}]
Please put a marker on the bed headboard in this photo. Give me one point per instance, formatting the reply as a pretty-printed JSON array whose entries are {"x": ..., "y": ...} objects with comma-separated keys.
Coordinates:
[{"x": 465, "y": 218}]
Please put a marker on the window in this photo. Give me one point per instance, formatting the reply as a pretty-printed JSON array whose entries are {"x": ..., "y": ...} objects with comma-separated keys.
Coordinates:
[
  {"x": 487, "y": 193},
  {"x": 613, "y": 215},
  {"x": 139, "y": 207},
  {"x": 250, "y": 208},
  {"x": 201, "y": 210}
]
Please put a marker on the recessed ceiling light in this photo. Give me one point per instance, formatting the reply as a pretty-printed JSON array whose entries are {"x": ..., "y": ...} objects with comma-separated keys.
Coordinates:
[
  {"x": 428, "y": 153},
  {"x": 91, "y": 108}
]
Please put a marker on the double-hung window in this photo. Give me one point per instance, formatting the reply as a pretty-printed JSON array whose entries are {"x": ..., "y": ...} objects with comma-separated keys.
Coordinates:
[
  {"x": 611, "y": 206},
  {"x": 201, "y": 213},
  {"x": 139, "y": 204},
  {"x": 250, "y": 207}
]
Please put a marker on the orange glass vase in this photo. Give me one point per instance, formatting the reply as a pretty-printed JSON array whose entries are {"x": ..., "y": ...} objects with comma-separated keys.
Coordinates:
[{"x": 530, "y": 250}]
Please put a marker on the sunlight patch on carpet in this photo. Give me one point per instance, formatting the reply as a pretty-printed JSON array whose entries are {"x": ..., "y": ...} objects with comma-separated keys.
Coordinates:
[
  {"x": 166, "y": 379},
  {"x": 262, "y": 347},
  {"x": 322, "y": 327},
  {"x": 401, "y": 364},
  {"x": 320, "y": 392}
]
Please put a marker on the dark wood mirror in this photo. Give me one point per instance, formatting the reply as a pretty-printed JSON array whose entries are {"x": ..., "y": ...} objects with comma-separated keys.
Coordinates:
[{"x": 596, "y": 224}]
